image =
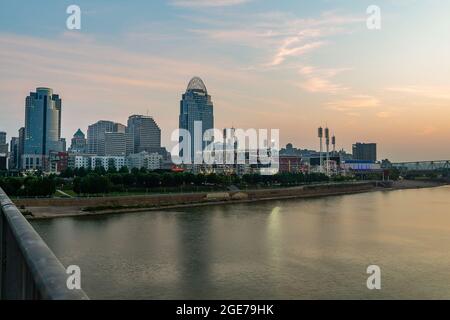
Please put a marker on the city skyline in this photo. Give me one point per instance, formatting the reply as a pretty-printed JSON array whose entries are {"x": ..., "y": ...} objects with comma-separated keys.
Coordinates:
[{"x": 295, "y": 71}]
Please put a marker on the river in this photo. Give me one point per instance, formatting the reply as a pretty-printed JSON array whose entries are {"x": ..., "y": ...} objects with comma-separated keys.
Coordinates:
[{"x": 315, "y": 248}]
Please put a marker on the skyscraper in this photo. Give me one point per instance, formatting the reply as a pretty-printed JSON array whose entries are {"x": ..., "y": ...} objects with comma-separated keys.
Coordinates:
[
  {"x": 96, "y": 135},
  {"x": 78, "y": 142},
  {"x": 3, "y": 151},
  {"x": 14, "y": 153},
  {"x": 115, "y": 144},
  {"x": 3, "y": 144},
  {"x": 2, "y": 137},
  {"x": 21, "y": 147},
  {"x": 196, "y": 106},
  {"x": 144, "y": 134},
  {"x": 42, "y": 127}
]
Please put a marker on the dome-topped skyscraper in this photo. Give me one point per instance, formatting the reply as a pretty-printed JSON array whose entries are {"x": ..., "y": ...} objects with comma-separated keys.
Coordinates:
[
  {"x": 196, "y": 84},
  {"x": 196, "y": 106}
]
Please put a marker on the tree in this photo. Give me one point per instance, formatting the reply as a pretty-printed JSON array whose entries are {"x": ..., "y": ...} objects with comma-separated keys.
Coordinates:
[
  {"x": 128, "y": 179},
  {"x": 11, "y": 185},
  {"x": 116, "y": 178},
  {"x": 39, "y": 186},
  {"x": 167, "y": 179},
  {"x": 153, "y": 180},
  {"x": 200, "y": 179},
  {"x": 68, "y": 173},
  {"x": 124, "y": 169}
]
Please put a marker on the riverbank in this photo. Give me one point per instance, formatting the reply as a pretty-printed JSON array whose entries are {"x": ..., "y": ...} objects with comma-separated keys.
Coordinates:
[
  {"x": 58, "y": 207},
  {"x": 416, "y": 184}
]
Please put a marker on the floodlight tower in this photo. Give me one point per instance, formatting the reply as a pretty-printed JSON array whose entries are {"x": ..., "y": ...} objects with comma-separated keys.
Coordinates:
[
  {"x": 327, "y": 142},
  {"x": 320, "y": 135}
]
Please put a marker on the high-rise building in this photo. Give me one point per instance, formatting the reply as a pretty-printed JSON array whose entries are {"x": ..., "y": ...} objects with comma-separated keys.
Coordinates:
[
  {"x": 42, "y": 127},
  {"x": 21, "y": 147},
  {"x": 3, "y": 144},
  {"x": 96, "y": 135},
  {"x": 63, "y": 144},
  {"x": 2, "y": 137},
  {"x": 144, "y": 134},
  {"x": 14, "y": 153},
  {"x": 42, "y": 122},
  {"x": 78, "y": 142},
  {"x": 3, "y": 151},
  {"x": 115, "y": 144},
  {"x": 365, "y": 151},
  {"x": 196, "y": 106}
]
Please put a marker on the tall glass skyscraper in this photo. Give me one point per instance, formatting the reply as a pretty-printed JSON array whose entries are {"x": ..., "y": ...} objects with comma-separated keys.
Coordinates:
[
  {"x": 144, "y": 134},
  {"x": 42, "y": 125},
  {"x": 196, "y": 105}
]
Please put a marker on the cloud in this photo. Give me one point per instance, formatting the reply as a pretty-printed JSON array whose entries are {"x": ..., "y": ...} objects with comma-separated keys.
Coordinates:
[
  {"x": 428, "y": 131},
  {"x": 384, "y": 114},
  {"x": 294, "y": 47},
  {"x": 320, "y": 85},
  {"x": 207, "y": 3},
  {"x": 281, "y": 35},
  {"x": 306, "y": 35},
  {"x": 431, "y": 92},
  {"x": 354, "y": 103},
  {"x": 320, "y": 80},
  {"x": 252, "y": 38}
]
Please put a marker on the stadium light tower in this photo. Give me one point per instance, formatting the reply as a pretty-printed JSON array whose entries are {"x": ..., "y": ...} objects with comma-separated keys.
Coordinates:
[
  {"x": 320, "y": 135},
  {"x": 333, "y": 142},
  {"x": 327, "y": 142}
]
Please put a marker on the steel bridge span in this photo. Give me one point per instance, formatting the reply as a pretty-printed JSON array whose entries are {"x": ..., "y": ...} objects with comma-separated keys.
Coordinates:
[{"x": 423, "y": 166}]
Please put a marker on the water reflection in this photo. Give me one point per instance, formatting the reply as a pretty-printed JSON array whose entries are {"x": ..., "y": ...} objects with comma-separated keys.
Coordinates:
[{"x": 311, "y": 248}]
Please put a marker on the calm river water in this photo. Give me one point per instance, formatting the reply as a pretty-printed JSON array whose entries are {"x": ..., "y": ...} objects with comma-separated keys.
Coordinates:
[{"x": 291, "y": 249}]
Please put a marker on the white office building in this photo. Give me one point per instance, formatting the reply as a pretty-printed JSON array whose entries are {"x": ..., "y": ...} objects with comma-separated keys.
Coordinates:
[{"x": 91, "y": 162}]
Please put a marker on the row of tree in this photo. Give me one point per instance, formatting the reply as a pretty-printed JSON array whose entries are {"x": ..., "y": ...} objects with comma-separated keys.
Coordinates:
[
  {"x": 31, "y": 186},
  {"x": 95, "y": 183}
]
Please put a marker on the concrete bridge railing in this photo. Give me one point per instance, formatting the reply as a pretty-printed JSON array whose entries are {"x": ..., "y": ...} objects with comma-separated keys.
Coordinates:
[{"x": 28, "y": 268}]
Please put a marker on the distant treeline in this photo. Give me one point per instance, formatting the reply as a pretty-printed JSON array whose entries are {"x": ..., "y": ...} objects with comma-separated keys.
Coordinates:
[
  {"x": 101, "y": 181},
  {"x": 29, "y": 186}
]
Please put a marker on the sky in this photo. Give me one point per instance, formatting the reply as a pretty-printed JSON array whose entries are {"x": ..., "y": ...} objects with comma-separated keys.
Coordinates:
[{"x": 288, "y": 65}]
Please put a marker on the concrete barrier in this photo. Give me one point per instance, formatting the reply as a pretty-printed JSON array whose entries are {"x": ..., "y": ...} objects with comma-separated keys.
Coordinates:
[{"x": 28, "y": 269}]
